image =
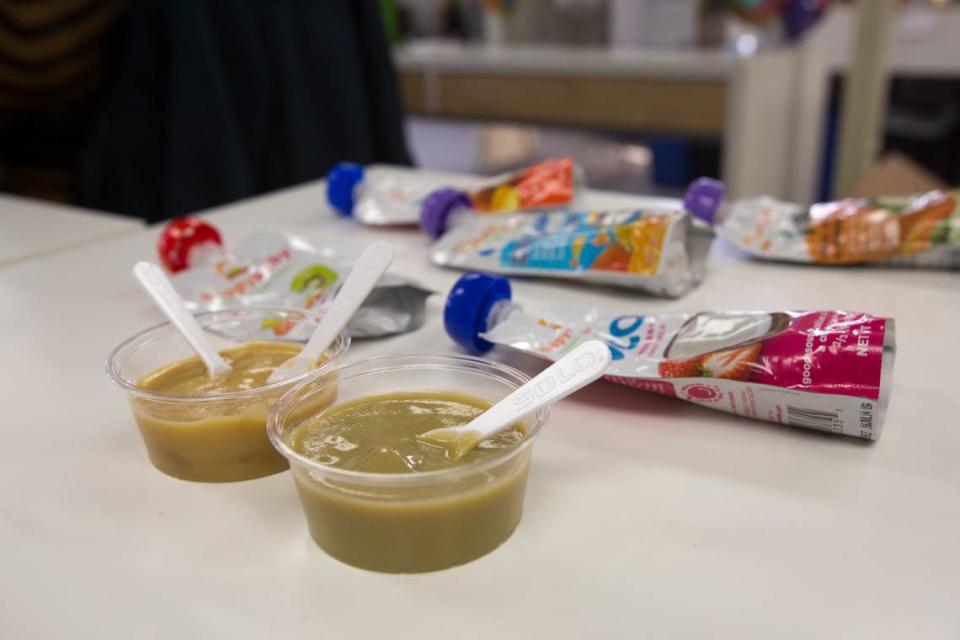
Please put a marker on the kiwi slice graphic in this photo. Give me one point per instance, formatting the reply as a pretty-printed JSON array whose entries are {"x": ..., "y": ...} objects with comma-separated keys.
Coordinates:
[{"x": 316, "y": 277}]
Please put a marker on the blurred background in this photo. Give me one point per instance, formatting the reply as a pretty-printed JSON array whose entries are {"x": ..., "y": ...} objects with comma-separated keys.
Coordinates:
[{"x": 158, "y": 108}]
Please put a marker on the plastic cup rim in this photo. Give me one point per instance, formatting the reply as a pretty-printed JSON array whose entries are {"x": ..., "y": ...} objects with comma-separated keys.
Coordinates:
[
  {"x": 381, "y": 364},
  {"x": 142, "y": 338}
]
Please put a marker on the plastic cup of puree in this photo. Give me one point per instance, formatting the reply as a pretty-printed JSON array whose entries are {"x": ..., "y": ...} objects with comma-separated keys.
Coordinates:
[
  {"x": 217, "y": 437},
  {"x": 416, "y": 521}
]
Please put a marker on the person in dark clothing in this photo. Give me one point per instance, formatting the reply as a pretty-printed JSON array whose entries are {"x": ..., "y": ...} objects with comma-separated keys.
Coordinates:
[
  {"x": 52, "y": 65},
  {"x": 212, "y": 101}
]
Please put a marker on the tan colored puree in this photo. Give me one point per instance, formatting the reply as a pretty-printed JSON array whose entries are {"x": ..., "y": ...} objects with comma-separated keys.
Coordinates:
[
  {"x": 401, "y": 527},
  {"x": 211, "y": 439}
]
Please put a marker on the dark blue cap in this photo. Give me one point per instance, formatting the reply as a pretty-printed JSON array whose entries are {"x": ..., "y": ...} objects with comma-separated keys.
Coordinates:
[
  {"x": 468, "y": 307},
  {"x": 703, "y": 199},
  {"x": 437, "y": 207},
  {"x": 341, "y": 183}
]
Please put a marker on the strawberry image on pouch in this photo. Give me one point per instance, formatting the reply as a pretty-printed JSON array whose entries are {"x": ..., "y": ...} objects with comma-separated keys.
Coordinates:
[
  {"x": 680, "y": 368},
  {"x": 734, "y": 364}
]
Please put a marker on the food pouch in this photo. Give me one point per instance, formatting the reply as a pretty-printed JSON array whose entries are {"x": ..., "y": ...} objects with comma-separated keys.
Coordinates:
[
  {"x": 659, "y": 251},
  {"x": 378, "y": 195},
  {"x": 392, "y": 195},
  {"x": 922, "y": 231},
  {"x": 828, "y": 370},
  {"x": 272, "y": 269}
]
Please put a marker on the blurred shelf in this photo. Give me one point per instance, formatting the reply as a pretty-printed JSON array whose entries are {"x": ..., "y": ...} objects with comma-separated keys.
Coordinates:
[
  {"x": 924, "y": 41},
  {"x": 565, "y": 61},
  {"x": 773, "y": 100}
]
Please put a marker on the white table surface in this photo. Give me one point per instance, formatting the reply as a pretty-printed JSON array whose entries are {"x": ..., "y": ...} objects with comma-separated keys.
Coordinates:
[
  {"x": 31, "y": 228},
  {"x": 645, "y": 516}
]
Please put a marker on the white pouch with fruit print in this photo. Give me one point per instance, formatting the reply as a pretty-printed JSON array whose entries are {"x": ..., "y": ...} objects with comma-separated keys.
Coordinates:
[{"x": 273, "y": 269}]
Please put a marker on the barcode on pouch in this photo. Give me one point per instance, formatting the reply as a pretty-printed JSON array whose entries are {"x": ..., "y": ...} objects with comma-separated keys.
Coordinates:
[{"x": 814, "y": 419}]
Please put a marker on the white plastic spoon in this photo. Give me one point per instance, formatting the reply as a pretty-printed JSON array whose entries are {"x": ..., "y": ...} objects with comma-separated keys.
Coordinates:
[
  {"x": 157, "y": 285},
  {"x": 371, "y": 264},
  {"x": 573, "y": 371}
]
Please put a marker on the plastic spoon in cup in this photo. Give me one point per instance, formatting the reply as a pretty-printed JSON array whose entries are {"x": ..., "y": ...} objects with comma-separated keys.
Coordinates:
[
  {"x": 157, "y": 285},
  {"x": 371, "y": 264},
  {"x": 570, "y": 373}
]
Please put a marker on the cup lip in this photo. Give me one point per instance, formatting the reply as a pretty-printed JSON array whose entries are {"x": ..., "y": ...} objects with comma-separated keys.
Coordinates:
[
  {"x": 129, "y": 346},
  {"x": 381, "y": 364}
]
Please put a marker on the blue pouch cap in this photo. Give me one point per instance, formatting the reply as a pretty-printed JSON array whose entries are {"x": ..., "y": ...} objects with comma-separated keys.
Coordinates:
[{"x": 467, "y": 311}]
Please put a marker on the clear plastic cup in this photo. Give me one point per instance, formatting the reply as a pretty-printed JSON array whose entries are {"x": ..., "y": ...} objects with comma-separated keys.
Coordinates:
[
  {"x": 408, "y": 522},
  {"x": 218, "y": 437}
]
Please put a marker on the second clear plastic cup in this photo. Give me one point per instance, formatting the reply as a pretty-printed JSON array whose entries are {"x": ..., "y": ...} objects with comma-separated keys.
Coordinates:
[{"x": 408, "y": 522}]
